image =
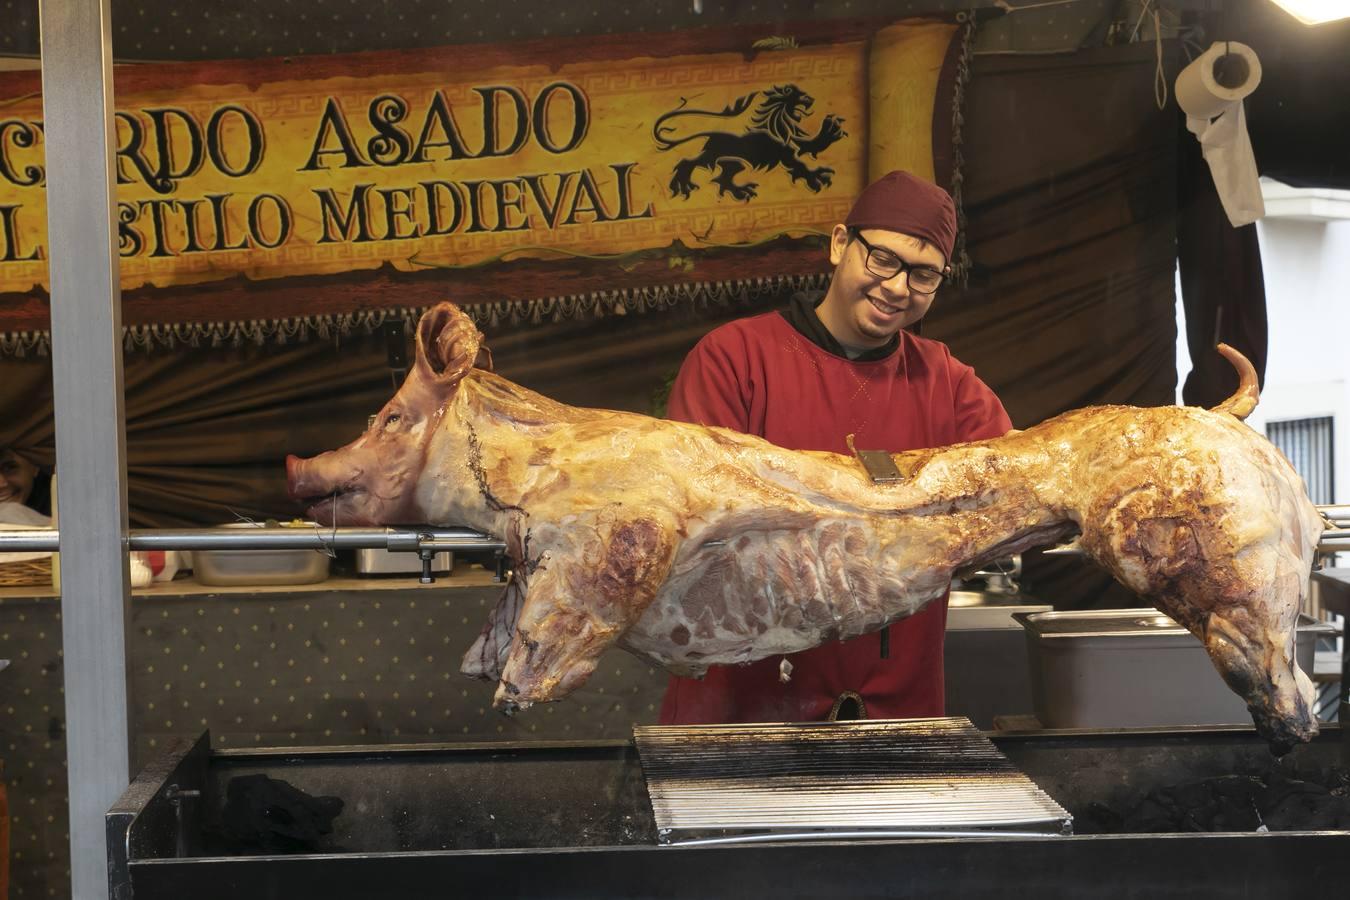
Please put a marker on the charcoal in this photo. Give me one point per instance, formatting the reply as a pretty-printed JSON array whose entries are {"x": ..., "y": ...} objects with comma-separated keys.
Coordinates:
[
  {"x": 267, "y": 815},
  {"x": 1275, "y": 800}
]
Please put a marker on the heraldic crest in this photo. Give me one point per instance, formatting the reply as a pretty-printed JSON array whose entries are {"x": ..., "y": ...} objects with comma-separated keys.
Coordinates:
[{"x": 774, "y": 137}]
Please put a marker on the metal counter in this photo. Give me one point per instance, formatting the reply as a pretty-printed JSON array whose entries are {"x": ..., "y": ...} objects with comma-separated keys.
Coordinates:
[
  {"x": 1333, "y": 586},
  {"x": 574, "y": 820}
]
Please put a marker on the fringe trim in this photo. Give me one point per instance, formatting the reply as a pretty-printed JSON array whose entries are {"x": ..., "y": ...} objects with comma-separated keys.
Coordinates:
[
  {"x": 660, "y": 298},
  {"x": 20, "y": 343},
  {"x": 960, "y": 259}
]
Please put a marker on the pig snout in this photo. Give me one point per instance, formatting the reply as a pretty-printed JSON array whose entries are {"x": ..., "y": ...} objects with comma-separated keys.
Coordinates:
[
  {"x": 295, "y": 479},
  {"x": 303, "y": 479},
  {"x": 371, "y": 481},
  {"x": 327, "y": 487}
]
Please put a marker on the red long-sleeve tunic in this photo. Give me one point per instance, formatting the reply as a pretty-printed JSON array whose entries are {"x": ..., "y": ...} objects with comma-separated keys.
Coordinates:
[{"x": 761, "y": 376}]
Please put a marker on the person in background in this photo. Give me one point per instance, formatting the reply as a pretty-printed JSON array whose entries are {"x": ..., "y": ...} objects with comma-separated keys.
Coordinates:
[
  {"x": 829, "y": 366},
  {"x": 24, "y": 482}
]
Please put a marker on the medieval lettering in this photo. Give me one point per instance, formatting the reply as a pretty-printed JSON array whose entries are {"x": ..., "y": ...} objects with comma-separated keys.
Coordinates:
[
  {"x": 557, "y": 118},
  {"x": 471, "y": 156},
  {"x": 478, "y": 206},
  {"x": 161, "y": 147},
  {"x": 162, "y": 227},
  {"x": 19, "y": 135},
  {"x": 9, "y": 237},
  {"x": 217, "y": 129}
]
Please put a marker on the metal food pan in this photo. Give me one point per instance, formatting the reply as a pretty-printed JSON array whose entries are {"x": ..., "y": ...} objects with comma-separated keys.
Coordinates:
[
  {"x": 1129, "y": 668},
  {"x": 979, "y": 610},
  {"x": 376, "y": 561},
  {"x": 243, "y": 568}
]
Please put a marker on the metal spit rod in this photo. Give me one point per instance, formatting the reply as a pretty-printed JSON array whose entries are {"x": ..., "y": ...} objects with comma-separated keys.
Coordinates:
[
  {"x": 1339, "y": 515},
  {"x": 414, "y": 540},
  {"x": 1333, "y": 540},
  {"x": 317, "y": 538},
  {"x": 1336, "y": 538}
]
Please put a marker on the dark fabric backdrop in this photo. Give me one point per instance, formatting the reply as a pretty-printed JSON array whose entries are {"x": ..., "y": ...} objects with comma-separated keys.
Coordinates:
[
  {"x": 1071, "y": 211},
  {"x": 1221, "y": 279},
  {"x": 1070, "y": 198}
]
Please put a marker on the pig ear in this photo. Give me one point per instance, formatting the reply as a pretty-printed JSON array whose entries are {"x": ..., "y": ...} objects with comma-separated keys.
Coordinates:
[{"x": 447, "y": 344}]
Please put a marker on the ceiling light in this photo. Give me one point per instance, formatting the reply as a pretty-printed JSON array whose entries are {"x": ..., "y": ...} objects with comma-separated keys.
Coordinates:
[{"x": 1315, "y": 12}]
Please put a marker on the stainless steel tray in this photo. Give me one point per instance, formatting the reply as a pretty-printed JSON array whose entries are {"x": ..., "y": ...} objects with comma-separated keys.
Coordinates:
[
  {"x": 1129, "y": 668},
  {"x": 372, "y": 561},
  {"x": 987, "y": 610},
  {"x": 246, "y": 568}
]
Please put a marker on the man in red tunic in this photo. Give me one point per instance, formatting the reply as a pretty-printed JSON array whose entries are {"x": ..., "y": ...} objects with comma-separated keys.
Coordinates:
[{"x": 805, "y": 378}]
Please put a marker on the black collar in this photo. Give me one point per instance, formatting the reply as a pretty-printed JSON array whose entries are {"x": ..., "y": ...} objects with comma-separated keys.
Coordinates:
[
  {"x": 40, "y": 498},
  {"x": 801, "y": 315}
]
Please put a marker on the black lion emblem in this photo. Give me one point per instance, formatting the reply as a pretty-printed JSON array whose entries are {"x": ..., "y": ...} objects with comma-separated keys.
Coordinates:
[{"x": 774, "y": 138}]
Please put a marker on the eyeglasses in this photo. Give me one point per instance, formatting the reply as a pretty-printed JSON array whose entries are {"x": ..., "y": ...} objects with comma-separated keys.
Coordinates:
[{"x": 886, "y": 265}]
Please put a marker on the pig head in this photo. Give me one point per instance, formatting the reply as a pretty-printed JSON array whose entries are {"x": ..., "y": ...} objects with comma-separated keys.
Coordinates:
[{"x": 373, "y": 480}]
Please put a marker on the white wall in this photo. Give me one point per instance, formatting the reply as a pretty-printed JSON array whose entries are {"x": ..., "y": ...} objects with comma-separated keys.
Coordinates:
[
  {"x": 1307, "y": 273},
  {"x": 1305, "y": 254}
]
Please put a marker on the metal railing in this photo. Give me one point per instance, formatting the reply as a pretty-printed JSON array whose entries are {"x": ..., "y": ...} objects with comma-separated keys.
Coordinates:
[
  {"x": 1334, "y": 539},
  {"x": 426, "y": 542},
  {"x": 1337, "y": 515}
]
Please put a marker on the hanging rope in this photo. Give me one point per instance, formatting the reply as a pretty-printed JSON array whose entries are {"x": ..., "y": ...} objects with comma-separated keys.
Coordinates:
[{"x": 960, "y": 259}]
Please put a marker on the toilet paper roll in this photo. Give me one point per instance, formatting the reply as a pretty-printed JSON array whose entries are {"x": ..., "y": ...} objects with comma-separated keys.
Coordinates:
[{"x": 1199, "y": 93}]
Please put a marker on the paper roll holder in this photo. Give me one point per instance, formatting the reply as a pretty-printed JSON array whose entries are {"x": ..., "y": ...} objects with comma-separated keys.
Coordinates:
[{"x": 1231, "y": 70}]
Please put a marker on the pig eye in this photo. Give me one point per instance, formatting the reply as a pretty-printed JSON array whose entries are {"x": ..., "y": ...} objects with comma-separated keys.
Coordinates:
[{"x": 394, "y": 419}]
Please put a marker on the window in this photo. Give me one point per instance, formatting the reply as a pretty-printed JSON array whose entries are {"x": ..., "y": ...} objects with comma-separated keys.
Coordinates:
[{"x": 1308, "y": 445}]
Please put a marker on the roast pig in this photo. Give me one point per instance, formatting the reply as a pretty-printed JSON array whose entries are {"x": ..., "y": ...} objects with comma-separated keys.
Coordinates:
[{"x": 694, "y": 546}]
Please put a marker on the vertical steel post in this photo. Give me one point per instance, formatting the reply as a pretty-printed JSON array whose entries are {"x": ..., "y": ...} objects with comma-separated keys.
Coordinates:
[{"x": 77, "y": 97}]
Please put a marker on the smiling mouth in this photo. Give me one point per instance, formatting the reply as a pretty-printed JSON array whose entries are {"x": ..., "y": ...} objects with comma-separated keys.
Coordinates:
[{"x": 883, "y": 307}]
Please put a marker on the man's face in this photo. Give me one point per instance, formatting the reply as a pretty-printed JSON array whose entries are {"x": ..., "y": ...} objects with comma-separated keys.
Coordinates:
[
  {"x": 867, "y": 307},
  {"x": 16, "y": 477}
]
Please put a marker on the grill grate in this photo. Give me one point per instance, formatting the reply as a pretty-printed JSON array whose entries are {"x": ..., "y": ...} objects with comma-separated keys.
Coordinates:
[{"x": 822, "y": 780}]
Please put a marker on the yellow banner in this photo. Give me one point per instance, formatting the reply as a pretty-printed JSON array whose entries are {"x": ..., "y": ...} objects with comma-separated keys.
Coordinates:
[{"x": 437, "y": 167}]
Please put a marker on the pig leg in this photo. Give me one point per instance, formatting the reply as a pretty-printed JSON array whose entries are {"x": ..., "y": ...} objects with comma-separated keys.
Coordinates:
[
  {"x": 487, "y": 656},
  {"x": 580, "y": 600}
]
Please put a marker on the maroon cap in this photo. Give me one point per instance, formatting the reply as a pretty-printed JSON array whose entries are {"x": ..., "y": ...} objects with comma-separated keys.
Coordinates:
[{"x": 906, "y": 203}]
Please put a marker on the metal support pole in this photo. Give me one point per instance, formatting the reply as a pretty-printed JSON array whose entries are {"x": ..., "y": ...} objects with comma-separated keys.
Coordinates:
[{"x": 77, "y": 99}]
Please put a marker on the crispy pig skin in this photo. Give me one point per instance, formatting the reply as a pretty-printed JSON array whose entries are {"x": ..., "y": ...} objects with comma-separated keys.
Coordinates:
[{"x": 693, "y": 546}]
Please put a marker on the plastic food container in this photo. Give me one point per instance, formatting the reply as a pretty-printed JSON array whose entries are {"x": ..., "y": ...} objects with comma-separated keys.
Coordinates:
[
  {"x": 247, "y": 568},
  {"x": 1129, "y": 668}
]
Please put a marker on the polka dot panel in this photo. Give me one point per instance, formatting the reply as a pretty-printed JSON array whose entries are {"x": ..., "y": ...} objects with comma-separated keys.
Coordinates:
[
  {"x": 267, "y": 670},
  {"x": 33, "y": 748},
  {"x": 350, "y": 667},
  {"x": 169, "y": 30}
]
